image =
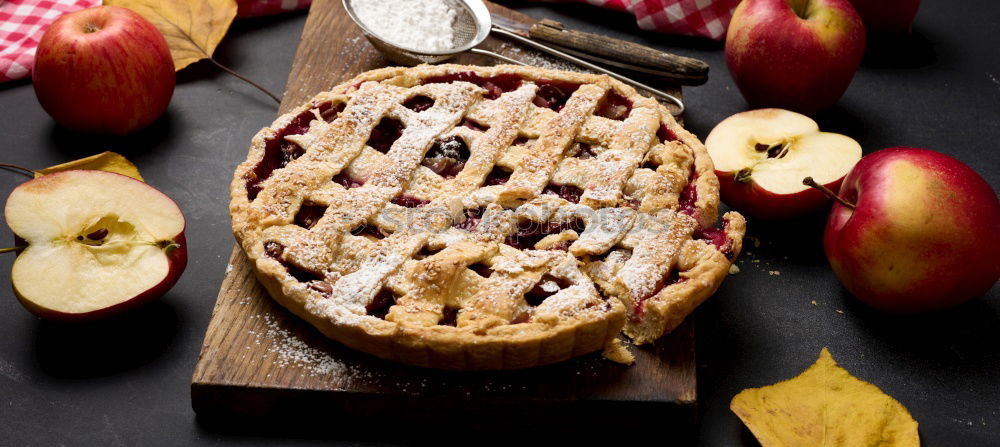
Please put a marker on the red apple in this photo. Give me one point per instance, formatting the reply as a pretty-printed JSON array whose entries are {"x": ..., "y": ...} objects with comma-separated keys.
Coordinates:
[
  {"x": 103, "y": 70},
  {"x": 887, "y": 16},
  {"x": 924, "y": 233},
  {"x": 794, "y": 54},
  {"x": 98, "y": 243},
  {"x": 761, "y": 157}
]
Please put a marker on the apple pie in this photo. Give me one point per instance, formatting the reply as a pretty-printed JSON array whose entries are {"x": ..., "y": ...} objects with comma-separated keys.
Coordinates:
[{"x": 479, "y": 218}]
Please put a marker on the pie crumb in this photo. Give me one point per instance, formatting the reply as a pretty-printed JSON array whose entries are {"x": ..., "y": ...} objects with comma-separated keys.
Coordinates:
[
  {"x": 618, "y": 353},
  {"x": 733, "y": 269}
]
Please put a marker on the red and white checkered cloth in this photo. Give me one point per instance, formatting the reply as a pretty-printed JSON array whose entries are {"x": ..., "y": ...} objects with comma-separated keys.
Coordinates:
[
  {"x": 22, "y": 23},
  {"x": 254, "y": 8},
  {"x": 704, "y": 18}
]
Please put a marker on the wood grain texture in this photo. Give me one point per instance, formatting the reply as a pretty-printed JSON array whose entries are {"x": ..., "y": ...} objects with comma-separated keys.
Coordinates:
[{"x": 258, "y": 360}]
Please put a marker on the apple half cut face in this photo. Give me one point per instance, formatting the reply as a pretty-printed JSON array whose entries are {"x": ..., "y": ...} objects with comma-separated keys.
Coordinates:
[
  {"x": 97, "y": 243},
  {"x": 761, "y": 157}
]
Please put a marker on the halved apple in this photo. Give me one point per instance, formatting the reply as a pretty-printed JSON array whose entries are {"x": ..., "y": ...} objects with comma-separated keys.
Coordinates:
[
  {"x": 98, "y": 243},
  {"x": 761, "y": 157}
]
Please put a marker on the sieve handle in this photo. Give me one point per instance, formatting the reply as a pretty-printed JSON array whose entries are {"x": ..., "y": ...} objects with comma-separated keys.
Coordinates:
[
  {"x": 547, "y": 49},
  {"x": 595, "y": 47}
]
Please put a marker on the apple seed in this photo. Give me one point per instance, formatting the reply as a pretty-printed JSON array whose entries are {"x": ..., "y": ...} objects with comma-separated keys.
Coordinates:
[
  {"x": 743, "y": 175},
  {"x": 98, "y": 234}
]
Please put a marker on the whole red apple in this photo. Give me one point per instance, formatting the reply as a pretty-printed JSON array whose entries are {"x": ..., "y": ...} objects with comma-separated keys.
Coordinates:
[
  {"x": 103, "y": 70},
  {"x": 887, "y": 16},
  {"x": 794, "y": 54},
  {"x": 924, "y": 233}
]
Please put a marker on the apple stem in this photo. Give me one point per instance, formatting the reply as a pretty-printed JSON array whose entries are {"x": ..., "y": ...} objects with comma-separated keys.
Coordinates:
[
  {"x": 808, "y": 181},
  {"x": 21, "y": 169},
  {"x": 259, "y": 87},
  {"x": 10, "y": 249}
]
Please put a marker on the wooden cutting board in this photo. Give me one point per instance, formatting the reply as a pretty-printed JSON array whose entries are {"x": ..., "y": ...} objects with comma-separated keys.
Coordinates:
[{"x": 259, "y": 361}]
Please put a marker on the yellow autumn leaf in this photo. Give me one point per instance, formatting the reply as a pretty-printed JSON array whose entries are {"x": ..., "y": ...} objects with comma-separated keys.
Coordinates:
[
  {"x": 825, "y": 406},
  {"x": 193, "y": 28},
  {"x": 105, "y": 161}
]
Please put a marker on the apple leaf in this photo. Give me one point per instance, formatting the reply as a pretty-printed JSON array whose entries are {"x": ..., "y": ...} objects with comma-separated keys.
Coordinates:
[
  {"x": 825, "y": 405},
  {"x": 193, "y": 28},
  {"x": 105, "y": 161}
]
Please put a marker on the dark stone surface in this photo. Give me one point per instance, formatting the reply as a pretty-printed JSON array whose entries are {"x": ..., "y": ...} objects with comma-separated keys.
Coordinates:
[{"x": 125, "y": 382}]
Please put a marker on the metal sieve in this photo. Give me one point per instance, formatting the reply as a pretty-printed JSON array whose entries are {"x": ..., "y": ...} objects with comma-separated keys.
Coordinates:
[{"x": 472, "y": 25}]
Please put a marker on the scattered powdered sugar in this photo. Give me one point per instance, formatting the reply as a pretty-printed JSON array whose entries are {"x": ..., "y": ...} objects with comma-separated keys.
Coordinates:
[
  {"x": 539, "y": 59},
  {"x": 416, "y": 24},
  {"x": 229, "y": 268},
  {"x": 290, "y": 350}
]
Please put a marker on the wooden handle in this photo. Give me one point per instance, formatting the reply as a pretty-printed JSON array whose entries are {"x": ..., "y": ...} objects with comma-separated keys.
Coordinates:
[{"x": 685, "y": 70}]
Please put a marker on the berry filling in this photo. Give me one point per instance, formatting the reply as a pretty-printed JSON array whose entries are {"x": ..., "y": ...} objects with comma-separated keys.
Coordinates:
[
  {"x": 718, "y": 238},
  {"x": 585, "y": 151},
  {"x": 409, "y": 201},
  {"x": 613, "y": 106},
  {"x": 472, "y": 218},
  {"x": 278, "y": 153},
  {"x": 497, "y": 176},
  {"x": 302, "y": 275},
  {"x": 529, "y": 232},
  {"x": 474, "y": 125},
  {"x": 521, "y": 141},
  {"x": 347, "y": 181},
  {"x": 329, "y": 112},
  {"x": 553, "y": 94},
  {"x": 427, "y": 252},
  {"x": 323, "y": 287},
  {"x": 367, "y": 230},
  {"x": 447, "y": 157},
  {"x": 665, "y": 134},
  {"x": 385, "y": 133},
  {"x": 495, "y": 85},
  {"x": 568, "y": 192},
  {"x": 547, "y": 286},
  {"x": 449, "y": 316},
  {"x": 689, "y": 195},
  {"x": 379, "y": 307},
  {"x": 481, "y": 269},
  {"x": 275, "y": 249},
  {"x": 419, "y": 103},
  {"x": 309, "y": 213},
  {"x": 673, "y": 278}
]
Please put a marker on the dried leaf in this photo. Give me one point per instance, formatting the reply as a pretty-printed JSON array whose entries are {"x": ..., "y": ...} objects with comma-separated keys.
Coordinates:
[
  {"x": 193, "y": 28},
  {"x": 825, "y": 405},
  {"x": 105, "y": 161}
]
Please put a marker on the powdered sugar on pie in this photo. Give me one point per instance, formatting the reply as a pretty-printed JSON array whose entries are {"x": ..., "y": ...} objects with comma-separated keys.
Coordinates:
[{"x": 468, "y": 217}]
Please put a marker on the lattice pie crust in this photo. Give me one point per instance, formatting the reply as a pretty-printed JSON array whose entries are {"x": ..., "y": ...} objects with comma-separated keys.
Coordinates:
[{"x": 474, "y": 218}]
